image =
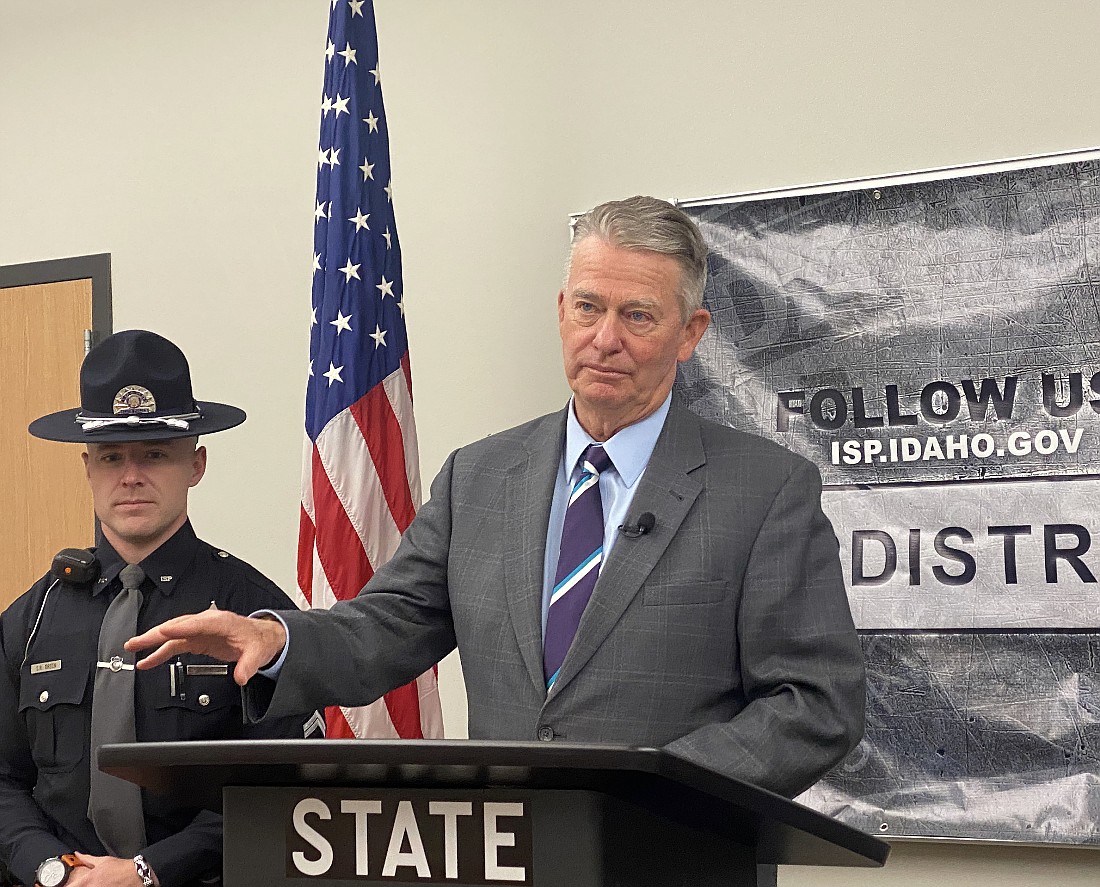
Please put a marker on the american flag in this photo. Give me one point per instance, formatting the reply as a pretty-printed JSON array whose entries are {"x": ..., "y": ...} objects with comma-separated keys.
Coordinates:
[{"x": 360, "y": 477}]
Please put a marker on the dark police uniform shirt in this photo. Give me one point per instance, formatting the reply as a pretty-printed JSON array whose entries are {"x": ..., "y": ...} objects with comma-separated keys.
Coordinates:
[{"x": 45, "y": 717}]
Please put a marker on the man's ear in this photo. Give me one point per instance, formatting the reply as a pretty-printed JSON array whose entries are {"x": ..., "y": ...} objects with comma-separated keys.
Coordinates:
[
  {"x": 198, "y": 467},
  {"x": 693, "y": 331},
  {"x": 84, "y": 456}
]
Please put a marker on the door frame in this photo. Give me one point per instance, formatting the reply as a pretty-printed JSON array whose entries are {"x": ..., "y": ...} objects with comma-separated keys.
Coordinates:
[{"x": 96, "y": 268}]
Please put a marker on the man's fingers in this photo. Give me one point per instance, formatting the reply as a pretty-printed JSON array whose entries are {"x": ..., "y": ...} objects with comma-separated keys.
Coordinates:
[
  {"x": 180, "y": 635},
  {"x": 246, "y": 667},
  {"x": 230, "y": 637},
  {"x": 162, "y": 654},
  {"x": 178, "y": 628},
  {"x": 251, "y": 661}
]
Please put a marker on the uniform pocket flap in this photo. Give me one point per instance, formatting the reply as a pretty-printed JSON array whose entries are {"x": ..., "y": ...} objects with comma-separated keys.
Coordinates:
[
  {"x": 43, "y": 689},
  {"x": 197, "y": 688}
]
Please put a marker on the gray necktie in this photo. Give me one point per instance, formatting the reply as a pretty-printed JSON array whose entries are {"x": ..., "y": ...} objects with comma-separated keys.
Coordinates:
[{"x": 114, "y": 805}]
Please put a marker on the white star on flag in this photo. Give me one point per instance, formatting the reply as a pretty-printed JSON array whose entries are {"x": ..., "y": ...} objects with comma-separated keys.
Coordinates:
[
  {"x": 356, "y": 7},
  {"x": 377, "y": 74},
  {"x": 389, "y": 191},
  {"x": 330, "y": 50},
  {"x": 319, "y": 213},
  {"x": 340, "y": 105},
  {"x": 386, "y": 286},
  {"x": 350, "y": 271},
  {"x": 360, "y": 220},
  {"x": 326, "y": 105},
  {"x": 387, "y": 235},
  {"x": 371, "y": 121},
  {"x": 368, "y": 169},
  {"x": 333, "y": 374},
  {"x": 379, "y": 336},
  {"x": 316, "y": 261},
  {"x": 349, "y": 55},
  {"x": 341, "y": 323}
]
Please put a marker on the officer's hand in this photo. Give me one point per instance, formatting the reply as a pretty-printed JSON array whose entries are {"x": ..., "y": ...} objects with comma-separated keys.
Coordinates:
[
  {"x": 251, "y": 643},
  {"x": 103, "y": 871}
]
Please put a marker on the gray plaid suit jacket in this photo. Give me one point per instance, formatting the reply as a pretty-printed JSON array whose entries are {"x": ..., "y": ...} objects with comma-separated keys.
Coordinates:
[{"x": 724, "y": 633}]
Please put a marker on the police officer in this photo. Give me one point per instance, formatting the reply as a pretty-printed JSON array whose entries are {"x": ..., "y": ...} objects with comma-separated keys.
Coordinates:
[{"x": 61, "y": 820}]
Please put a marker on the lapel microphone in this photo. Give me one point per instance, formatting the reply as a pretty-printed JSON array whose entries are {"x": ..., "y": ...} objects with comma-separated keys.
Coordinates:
[{"x": 645, "y": 524}]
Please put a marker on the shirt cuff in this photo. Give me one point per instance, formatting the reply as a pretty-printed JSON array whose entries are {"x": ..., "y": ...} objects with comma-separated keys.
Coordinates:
[{"x": 272, "y": 671}]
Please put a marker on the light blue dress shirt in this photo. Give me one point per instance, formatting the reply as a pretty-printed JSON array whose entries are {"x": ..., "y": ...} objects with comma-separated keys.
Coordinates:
[{"x": 629, "y": 450}]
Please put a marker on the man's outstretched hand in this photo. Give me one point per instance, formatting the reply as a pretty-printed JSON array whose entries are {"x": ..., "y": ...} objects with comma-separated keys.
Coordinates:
[{"x": 251, "y": 643}]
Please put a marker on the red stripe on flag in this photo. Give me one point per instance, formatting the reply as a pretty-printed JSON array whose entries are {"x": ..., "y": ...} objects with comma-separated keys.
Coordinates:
[
  {"x": 375, "y": 417},
  {"x": 307, "y": 535},
  {"x": 338, "y": 544},
  {"x": 336, "y": 725},
  {"x": 403, "y": 705}
]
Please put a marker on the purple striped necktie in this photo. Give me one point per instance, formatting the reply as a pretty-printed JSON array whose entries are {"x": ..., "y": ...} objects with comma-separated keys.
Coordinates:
[{"x": 578, "y": 563}]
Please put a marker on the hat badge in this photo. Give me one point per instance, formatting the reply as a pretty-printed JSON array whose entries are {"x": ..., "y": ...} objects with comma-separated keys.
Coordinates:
[{"x": 133, "y": 399}]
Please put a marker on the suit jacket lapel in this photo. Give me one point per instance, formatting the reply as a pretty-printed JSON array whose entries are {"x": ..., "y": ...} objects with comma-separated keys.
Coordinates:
[
  {"x": 667, "y": 490},
  {"x": 530, "y": 489}
]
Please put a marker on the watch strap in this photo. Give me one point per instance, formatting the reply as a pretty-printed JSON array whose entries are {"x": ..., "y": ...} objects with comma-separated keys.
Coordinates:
[{"x": 144, "y": 871}]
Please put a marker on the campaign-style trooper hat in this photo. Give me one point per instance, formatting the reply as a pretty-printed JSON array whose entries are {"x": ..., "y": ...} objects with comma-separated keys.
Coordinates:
[{"x": 135, "y": 385}]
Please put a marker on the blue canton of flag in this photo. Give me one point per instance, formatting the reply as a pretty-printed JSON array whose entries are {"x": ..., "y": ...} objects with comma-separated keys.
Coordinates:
[{"x": 358, "y": 326}]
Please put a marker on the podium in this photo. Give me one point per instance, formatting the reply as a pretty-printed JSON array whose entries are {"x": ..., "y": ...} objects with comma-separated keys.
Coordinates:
[{"x": 367, "y": 813}]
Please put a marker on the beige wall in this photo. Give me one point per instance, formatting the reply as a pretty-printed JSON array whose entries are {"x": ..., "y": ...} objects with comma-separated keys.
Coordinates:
[{"x": 181, "y": 138}]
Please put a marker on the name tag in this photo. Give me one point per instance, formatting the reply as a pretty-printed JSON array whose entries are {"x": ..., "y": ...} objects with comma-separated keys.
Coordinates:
[
  {"x": 40, "y": 667},
  {"x": 204, "y": 670}
]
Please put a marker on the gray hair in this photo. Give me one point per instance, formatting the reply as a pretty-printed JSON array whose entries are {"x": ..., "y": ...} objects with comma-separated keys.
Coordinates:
[{"x": 652, "y": 225}]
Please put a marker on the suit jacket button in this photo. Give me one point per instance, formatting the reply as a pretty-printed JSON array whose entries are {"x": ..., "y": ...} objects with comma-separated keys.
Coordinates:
[{"x": 546, "y": 734}]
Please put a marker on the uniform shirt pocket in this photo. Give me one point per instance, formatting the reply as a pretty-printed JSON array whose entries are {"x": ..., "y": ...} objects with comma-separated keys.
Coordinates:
[
  {"x": 50, "y": 703},
  {"x": 195, "y": 697},
  {"x": 684, "y": 592}
]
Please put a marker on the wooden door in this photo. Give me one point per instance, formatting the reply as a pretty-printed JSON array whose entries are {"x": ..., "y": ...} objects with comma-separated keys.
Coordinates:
[{"x": 47, "y": 505}]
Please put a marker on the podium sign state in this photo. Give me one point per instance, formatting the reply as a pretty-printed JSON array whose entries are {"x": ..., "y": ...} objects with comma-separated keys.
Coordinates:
[
  {"x": 357, "y": 836},
  {"x": 367, "y": 836},
  {"x": 409, "y": 839}
]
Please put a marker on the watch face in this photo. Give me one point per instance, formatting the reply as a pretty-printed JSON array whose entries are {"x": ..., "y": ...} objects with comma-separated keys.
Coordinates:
[{"x": 52, "y": 872}]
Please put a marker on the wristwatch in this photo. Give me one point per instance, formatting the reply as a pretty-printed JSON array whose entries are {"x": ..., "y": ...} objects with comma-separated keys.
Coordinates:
[
  {"x": 144, "y": 871},
  {"x": 54, "y": 871}
]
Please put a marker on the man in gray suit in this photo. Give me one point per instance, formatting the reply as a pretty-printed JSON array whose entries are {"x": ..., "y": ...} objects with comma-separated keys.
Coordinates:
[{"x": 711, "y": 616}]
